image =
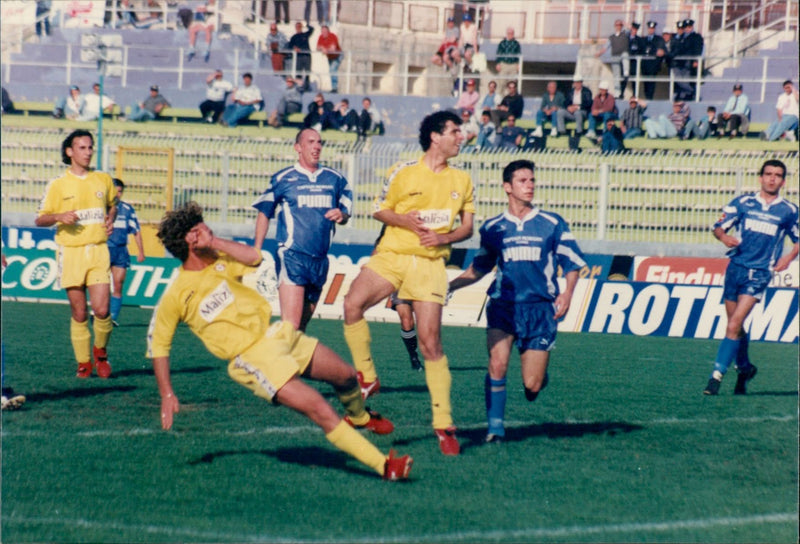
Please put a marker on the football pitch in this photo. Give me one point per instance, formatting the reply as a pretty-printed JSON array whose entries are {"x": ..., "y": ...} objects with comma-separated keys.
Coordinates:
[{"x": 621, "y": 447}]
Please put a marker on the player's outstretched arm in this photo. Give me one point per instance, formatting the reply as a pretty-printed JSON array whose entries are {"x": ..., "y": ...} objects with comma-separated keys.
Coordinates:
[
  {"x": 262, "y": 225},
  {"x": 240, "y": 252},
  {"x": 169, "y": 402},
  {"x": 467, "y": 277}
]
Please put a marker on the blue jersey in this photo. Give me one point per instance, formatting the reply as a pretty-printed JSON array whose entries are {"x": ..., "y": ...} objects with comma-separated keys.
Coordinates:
[
  {"x": 527, "y": 253},
  {"x": 126, "y": 223},
  {"x": 761, "y": 229},
  {"x": 300, "y": 199}
]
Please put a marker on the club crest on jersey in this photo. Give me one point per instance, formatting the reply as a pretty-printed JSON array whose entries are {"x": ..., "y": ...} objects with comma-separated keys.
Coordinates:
[
  {"x": 455, "y": 195},
  {"x": 219, "y": 267},
  {"x": 99, "y": 194}
]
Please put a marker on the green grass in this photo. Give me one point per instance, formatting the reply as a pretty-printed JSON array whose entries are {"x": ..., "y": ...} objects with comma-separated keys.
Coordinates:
[{"x": 622, "y": 447}]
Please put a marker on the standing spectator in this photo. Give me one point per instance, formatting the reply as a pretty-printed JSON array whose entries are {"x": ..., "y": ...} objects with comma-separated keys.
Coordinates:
[
  {"x": 636, "y": 48},
  {"x": 669, "y": 126},
  {"x": 618, "y": 44},
  {"x": 692, "y": 46},
  {"x": 707, "y": 126},
  {"x": 448, "y": 54},
  {"x": 302, "y": 51},
  {"x": 487, "y": 133},
  {"x": 787, "y": 111},
  {"x": 762, "y": 221},
  {"x": 345, "y": 119},
  {"x": 320, "y": 114},
  {"x": 277, "y": 45},
  {"x": 282, "y": 4},
  {"x": 290, "y": 102},
  {"x": 552, "y": 101},
  {"x": 70, "y": 106},
  {"x": 492, "y": 99},
  {"x": 511, "y": 104},
  {"x": 328, "y": 43},
  {"x": 216, "y": 93},
  {"x": 323, "y": 7},
  {"x": 469, "y": 98},
  {"x": 654, "y": 50},
  {"x": 527, "y": 246},
  {"x": 246, "y": 100},
  {"x": 309, "y": 200},
  {"x": 508, "y": 56},
  {"x": 579, "y": 105},
  {"x": 370, "y": 119},
  {"x": 511, "y": 136},
  {"x": 203, "y": 21},
  {"x": 632, "y": 119},
  {"x": 150, "y": 108},
  {"x": 734, "y": 115},
  {"x": 612, "y": 139},
  {"x": 125, "y": 224},
  {"x": 604, "y": 107},
  {"x": 94, "y": 104},
  {"x": 43, "y": 17}
]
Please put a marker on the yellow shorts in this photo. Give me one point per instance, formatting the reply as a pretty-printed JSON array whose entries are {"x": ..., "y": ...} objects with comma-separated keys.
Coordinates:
[
  {"x": 414, "y": 277},
  {"x": 270, "y": 363},
  {"x": 81, "y": 266}
]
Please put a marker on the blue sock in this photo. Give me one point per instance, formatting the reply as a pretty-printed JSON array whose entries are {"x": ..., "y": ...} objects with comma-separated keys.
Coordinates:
[
  {"x": 115, "y": 307},
  {"x": 725, "y": 355},
  {"x": 742, "y": 360},
  {"x": 495, "y": 391}
]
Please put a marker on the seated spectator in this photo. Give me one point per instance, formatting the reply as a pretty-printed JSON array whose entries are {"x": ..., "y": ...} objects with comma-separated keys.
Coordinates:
[
  {"x": 579, "y": 105},
  {"x": 216, "y": 94},
  {"x": 492, "y": 98},
  {"x": 469, "y": 98},
  {"x": 246, "y": 100},
  {"x": 707, "y": 126},
  {"x": 277, "y": 43},
  {"x": 203, "y": 22},
  {"x": 669, "y": 126},
  {"x": 345, "y": 118},
  {"x": 8, "y": 104},
  {"x": 787, "y": 111},
  {"x": 511, "y": 104},
  {"x": 552, "y": 101},
  {"x": 469, "y": 126},
  {"x": 370, "y": 119},
  {"x": 604, "y": 107},
  {"x": 291, "y": 101},
  {"x": 633, "y": 118},
  {"x": 70, "y": 106},
  {"x": 511, "y": 135},
  {"x": 487, "y": 133},
  {"x": 92, "y": 107},
  {"x": 320, "y": 114},
  {"x": 612, "y": 140},
  {"x": 468, "y": 38},
  {"x": 734, "y": 114},
  {"x": 150, "y": 108},
  {"x": 448, "y": 54}
]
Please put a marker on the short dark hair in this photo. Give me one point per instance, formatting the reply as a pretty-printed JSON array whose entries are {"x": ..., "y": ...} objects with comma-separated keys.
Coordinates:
[
  {"x": 77, "y": 133},
  {"x": 712, "y": 108},
  {"x": 119, "y": 183},
  {"x": 175, "y": 225},
  {"x": 435, "y": 122},
  {"x": 513, "y": 166},
  {"x": 247, "y": 75},
  {"x": 787, "y": 82},
  {"x": 773, "y": 162}
]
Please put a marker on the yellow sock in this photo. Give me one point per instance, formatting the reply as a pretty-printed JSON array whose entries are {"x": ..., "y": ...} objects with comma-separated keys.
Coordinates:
[
  {"x": 81, "y": 340},
  {"x": 350, "y": 441},
  {"x": 353, "y": 404},
  {"x": 439, "y": 380},
  {"x": 358, "y": 340},
  {"x": 102, "y": 330}
]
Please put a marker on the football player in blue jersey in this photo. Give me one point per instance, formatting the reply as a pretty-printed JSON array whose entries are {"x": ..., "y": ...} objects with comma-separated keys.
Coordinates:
[
  {"x": 525, "y": 301},
  {"x": 309, "y": 200},
  {"x": 762, "y": 221},
  {"x": 125, "y": 223}
]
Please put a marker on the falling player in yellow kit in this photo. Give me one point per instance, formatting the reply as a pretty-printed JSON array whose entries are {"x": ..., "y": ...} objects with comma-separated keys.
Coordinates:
[
  {"x": 82, "y": 205},
  {"x": 233, "y": 322},
  {"x": 419, "y": 206}
]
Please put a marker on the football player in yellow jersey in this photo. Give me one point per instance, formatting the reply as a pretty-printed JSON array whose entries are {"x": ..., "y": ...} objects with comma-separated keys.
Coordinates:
[
  {"x": 82, "y": 205},
  {"x": 233, "y": 321},
  {"x": 419, "y": 206}
]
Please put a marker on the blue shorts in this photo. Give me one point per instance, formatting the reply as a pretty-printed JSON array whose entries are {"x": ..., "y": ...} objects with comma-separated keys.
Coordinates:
[
  {"x": 745, "y": 281},
  {"x": 533, "y": 324},
  {"x": 297, "y": 268},
  {"x": 119, "y": 256}
]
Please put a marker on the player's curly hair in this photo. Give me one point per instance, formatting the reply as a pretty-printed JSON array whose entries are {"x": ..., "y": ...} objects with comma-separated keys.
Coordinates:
[
  {"x": 175, "y": 225},
  {"x": 435, "y": 122},
  {"x": 78, "y": 133}
]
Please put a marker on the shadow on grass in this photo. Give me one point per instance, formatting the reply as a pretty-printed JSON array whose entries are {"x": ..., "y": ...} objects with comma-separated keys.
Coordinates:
[
  {"x": 773, "y": 394},
  {"x": 148, "y": 371},
  {"x": 79, "y": 393}
]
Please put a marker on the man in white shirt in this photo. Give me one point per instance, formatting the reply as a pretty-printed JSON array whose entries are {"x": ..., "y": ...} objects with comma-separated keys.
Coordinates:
[
  {"x": 216, "y": 93},
  {"x": 70, "y": 106},
  {"x": 787, "y": 110},
  {"x": 91, "y": 106},
  {"x": 246, "y": 100},
  {"x": 733, "y": 118}
]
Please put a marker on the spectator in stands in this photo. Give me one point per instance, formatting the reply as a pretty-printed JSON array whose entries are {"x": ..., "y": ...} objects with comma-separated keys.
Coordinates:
[
  {"x": 217, "y": 90},
  {"x": 246, "y": 100},
  {"x": 448, "y": 54},
  {"x": 8, "y": 104},
  {"x": 552, "y": 101},
  {"x": 469, "y": 98},
  {"x": 511, "y": 104},
  {"x": 323, "y": 6},
  {"x": 508, "y": 56},
  {"x": 734, "y": 115},
  {"x": 203, "y": 21},
  {"x": 469, "y": 126},
  {"x": 654, "y": 51},
  {"x": 43, "y": 17},
  {"x": 612, "y": 140},
  {"x": 370, "y": 119},
  {"x": 92, "y": 107},
  {"x": 320, "y": 114},
  {"x": 636, "y": 48},
  {"x": 579, "y": 105},
  {"x": 302, "y": 50},
  {"x": 704, "y": 128},
  {"x": 282, "y": 4},
  {"x": 492, "y": 98},
  {"x": 346, "y": 119},
  {"x": 70, "y": 106},
  {"x": 604, "y": 107},
  {"x": 328, "y": 43},
  {"x": 632, "y": 119},
  {"x": 692, "y": 45},
  {"x": 290, "y": 102},
  {"x": 618, "y": 44},
  {"x": 487, "y": 134},
  {"x": 669, "y": 126},
  {"x": 150, "y": 108},
  {"x": 277, "y": 45},
  {"x": 511, "y": 135},
  {"x": 787, "y": 111},
  {"x": 468, "y": 38}
]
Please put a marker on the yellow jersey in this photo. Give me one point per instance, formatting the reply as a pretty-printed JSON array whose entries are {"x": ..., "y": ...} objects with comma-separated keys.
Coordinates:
[
  {"x": 227, "y": 316},
  {"x": 439, "y": 198},
  {"x": 90, "y": 196}
]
